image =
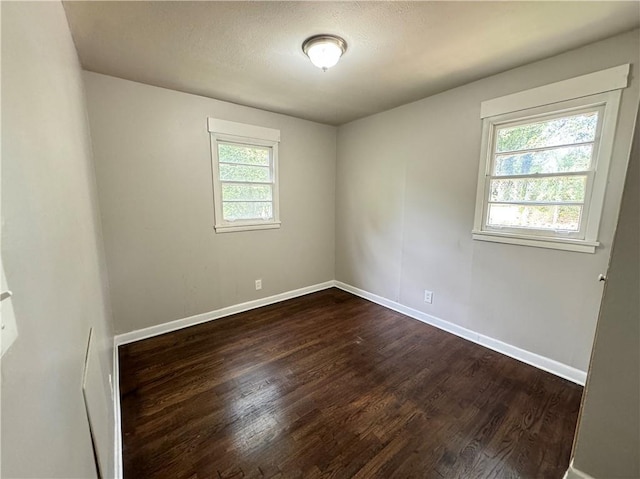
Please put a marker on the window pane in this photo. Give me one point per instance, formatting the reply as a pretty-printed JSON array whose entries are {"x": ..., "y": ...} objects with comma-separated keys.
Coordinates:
[
  {"x": 559, "y": 131},
  {"x": 247, "y": 211},
  {"x": 552, "y": 189},
  {"x": 230, "y": 172},
  {"x": 552, "y": 217},
  {"x": 559, "y": 160},
  {"x": 246, "y": 192},
  {"x": 251, "y": 155}
]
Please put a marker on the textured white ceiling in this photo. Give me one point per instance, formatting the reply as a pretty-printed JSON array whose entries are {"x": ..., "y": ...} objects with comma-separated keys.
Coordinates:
[{"x": 250, "y": 52}]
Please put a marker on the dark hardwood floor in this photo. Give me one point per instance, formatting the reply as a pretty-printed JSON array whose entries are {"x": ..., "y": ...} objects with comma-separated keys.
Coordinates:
[{"x": 331, "y": 385}]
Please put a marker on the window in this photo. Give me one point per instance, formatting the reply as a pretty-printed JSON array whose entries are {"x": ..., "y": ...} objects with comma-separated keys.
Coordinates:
[
  {"x": 543, "y": 170},
  {"x": 245, "y": 176}
]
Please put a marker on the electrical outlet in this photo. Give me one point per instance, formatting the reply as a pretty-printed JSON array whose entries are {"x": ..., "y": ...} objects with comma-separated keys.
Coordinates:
[
  {"x": 258, "y": 284},
  {"x": 428, "y": 296}
]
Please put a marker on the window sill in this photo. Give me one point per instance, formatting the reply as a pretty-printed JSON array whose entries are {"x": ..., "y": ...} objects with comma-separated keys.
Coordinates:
[
  {"x": 579, "y": 246},
  {"x": 246, "y": 227}
]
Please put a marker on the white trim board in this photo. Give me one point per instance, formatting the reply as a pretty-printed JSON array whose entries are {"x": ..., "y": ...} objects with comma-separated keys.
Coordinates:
[
  {"x": 551, "y": 366},
  {"x": 226, "y": 127},
  {"x": 598, "y": 82},
  {"x": 541, "y": 362},
  {"x": 117, "y": 418},
  {"x": 573, "y": 473},
  {"x": 159, "y": 329}
]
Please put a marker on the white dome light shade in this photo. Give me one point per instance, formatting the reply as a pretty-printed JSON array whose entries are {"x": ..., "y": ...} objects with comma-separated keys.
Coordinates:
[{"x": 324, "y": 51}]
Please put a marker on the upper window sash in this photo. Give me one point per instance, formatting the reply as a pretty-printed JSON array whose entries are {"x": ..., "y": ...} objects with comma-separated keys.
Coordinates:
[{"x": 566, "y": 109}]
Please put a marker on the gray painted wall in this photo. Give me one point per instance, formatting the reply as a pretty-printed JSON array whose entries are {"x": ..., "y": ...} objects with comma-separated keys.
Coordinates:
[
  {"x": 405, "y": 192},
  {"x": 153, "y": 164},
  {"x": 51, "y": 249},
  {"x": 607, "y": 444}
]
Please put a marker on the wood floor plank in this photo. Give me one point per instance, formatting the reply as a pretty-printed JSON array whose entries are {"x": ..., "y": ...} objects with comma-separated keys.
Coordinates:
[{"x": 329, "y": 385}]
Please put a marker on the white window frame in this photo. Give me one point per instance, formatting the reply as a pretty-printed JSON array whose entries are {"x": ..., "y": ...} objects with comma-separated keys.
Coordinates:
[
  {"x": 223, "y": 131},
  {"x": 601, "y": 91}
]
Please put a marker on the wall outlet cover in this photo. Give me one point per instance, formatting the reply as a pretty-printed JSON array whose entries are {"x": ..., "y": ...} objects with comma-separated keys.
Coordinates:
[{"x": 428, "y": 296}]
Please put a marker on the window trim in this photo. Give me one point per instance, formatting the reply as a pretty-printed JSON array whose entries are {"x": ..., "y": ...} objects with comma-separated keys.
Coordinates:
[
  {"x": 502, "y": 112},
  {"x": 222, "y": 131}
]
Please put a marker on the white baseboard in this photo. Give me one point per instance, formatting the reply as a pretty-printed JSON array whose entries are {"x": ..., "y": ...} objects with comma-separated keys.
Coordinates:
[
  {"x": 117, "y": 427},
  {"x": 540, "y": 362},
  {"x": 573, "y": 473},
  {"x": 217, "y": 314}
]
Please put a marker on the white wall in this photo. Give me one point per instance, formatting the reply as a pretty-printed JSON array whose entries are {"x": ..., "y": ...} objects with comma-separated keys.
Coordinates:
[
  {"x": 406, "y": 185},
  {"x": 51, "y": 249},
  {"x": 153, "y": 163}
]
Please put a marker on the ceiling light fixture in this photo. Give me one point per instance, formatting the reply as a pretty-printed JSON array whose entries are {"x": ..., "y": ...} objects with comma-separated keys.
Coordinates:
[{"x": 324, "y": 51}]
